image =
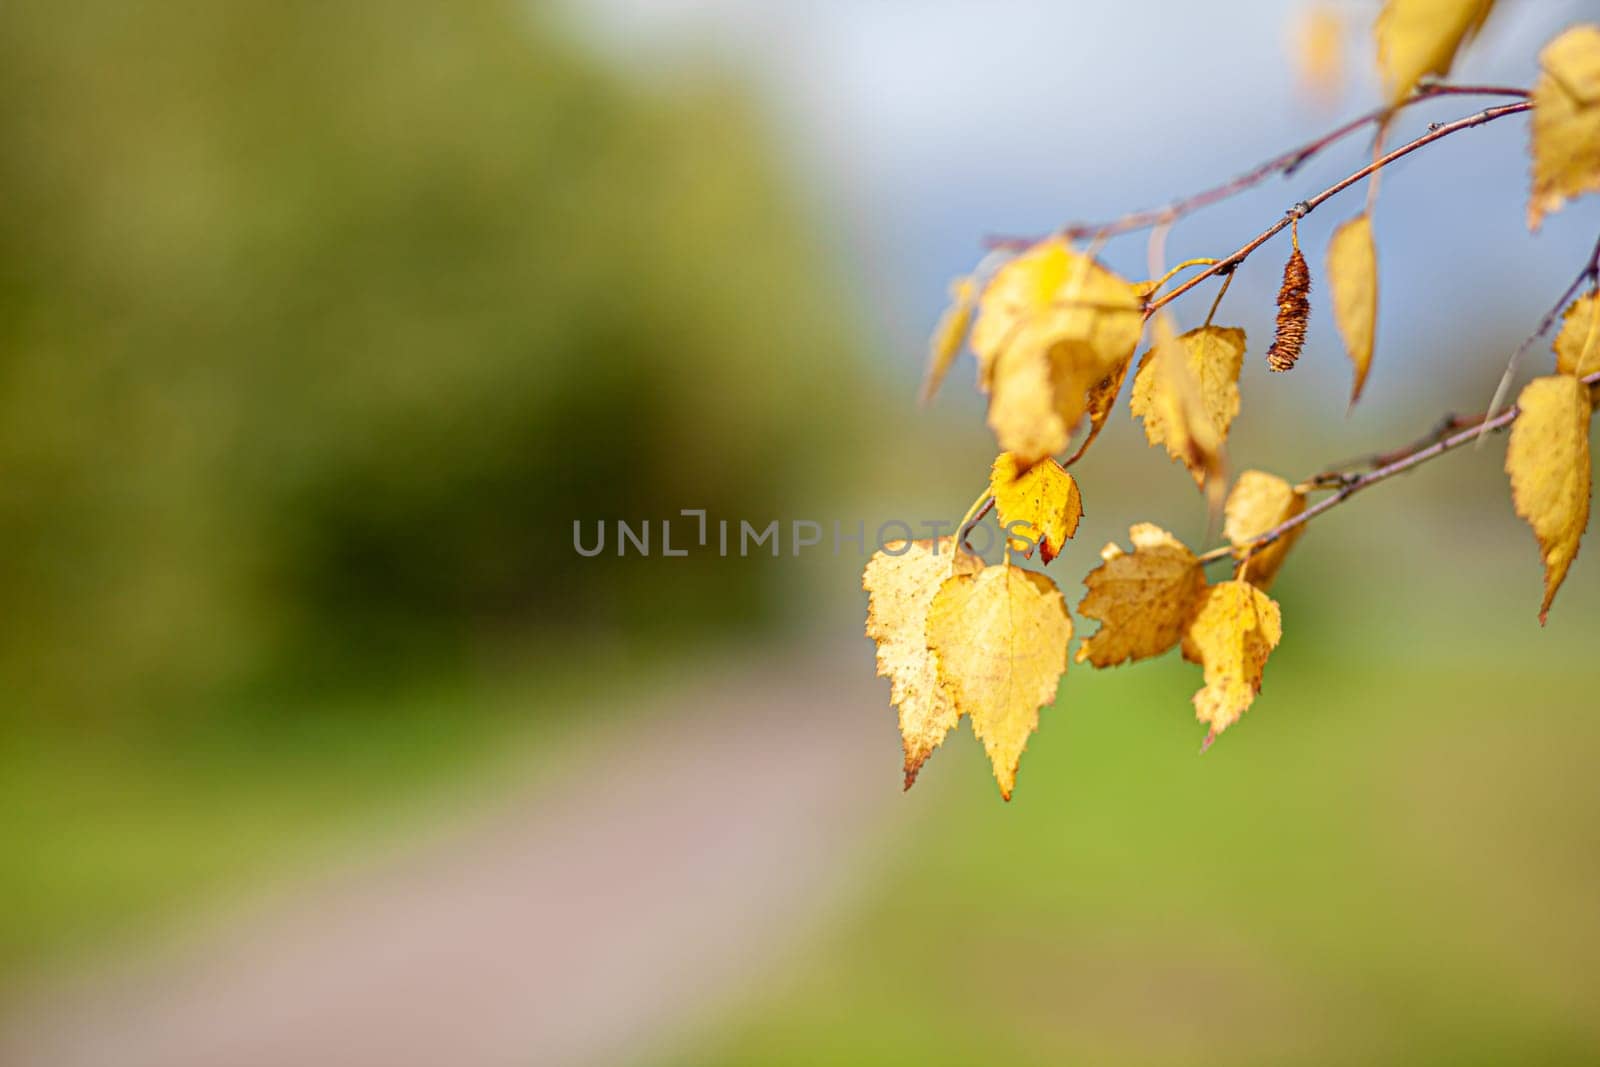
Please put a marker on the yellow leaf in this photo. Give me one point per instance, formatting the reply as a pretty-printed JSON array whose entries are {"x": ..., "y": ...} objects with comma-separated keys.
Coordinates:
[
  {"x": 1259, "y": 502},
  {"x": 1318, "y": 43},
  {"x": 1187, "y": 392},
  {"x": 1421, "y": 37},
  {"x": 1235, "y": 628},
  {"x": 1001, "y": 640},
  {"x": 901, "y": 588},
  {"x": 1102, "y": 398},
  {"x": 948, "y": 335},
  {"x": 1578, "y": 344},
  {"x": 1353, "y": 280},
  {"x": 1548, "y": 460},
  {"x": 1143, "y": 600},
  {"x": 1565, "y": 129},
  {"x": 1044, "y": 496},
  {"x": 1052, "y": 325}
]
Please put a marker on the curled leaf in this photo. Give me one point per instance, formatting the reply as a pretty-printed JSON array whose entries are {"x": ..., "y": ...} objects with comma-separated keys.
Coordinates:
[
  {"x": 1044, "y": 496},
  {"x": 1052, "y": 325},
  {"x": 1187, "y": 392},
  {"x": 1548, "y": 461},
  {"x": 1417, "y": 38},
  {"x": 948, "y": 335},
  {"x": 1260, "y": 501},
  {"x": 1001, "y": 640},
  {"x": 901, "y": 581},
  {"x": 1142, "y": 599},
  {"x": 1231, "y": 635},
  {"x": 1565, "y": 128},
  {"x": 1577, "y": 346},
  {"x": 1353, "y": 283}
]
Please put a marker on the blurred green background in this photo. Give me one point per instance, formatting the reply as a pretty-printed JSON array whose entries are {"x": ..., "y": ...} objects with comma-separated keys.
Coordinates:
[{"x": 320, "y": 323}]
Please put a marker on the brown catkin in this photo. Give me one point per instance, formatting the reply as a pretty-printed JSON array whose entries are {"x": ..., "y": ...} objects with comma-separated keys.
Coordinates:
[{"x": 1294, "y": 309}]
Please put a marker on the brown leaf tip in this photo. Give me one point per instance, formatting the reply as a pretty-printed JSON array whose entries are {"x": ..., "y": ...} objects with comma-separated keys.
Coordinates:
[{"x": 1294, "y": 311}]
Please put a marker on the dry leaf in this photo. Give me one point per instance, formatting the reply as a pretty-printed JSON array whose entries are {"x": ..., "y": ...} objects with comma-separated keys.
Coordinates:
[
  {"x": 1318, "y": 42},
  {"x": 1565, "y": 128},
  {"x": 1235, "y": 628},
  {"x": 1142, "y": 600},
  {"x": 1052, "y": 325},
  {"x": 1001, "y": 640},
  {"x": 1353, "y": 281},
  {"x": 1044, "y": 496},
  {"x": 1577, "y": 346},
  {"x": 1187, "y": 392},
  {"x": 1421, "y": 37},
  {"x": 901, "y": 589},
  {"x": 1548, "y": 460},
  {"x": 948, "y": 335},
  {"x": 1259, "y": 501}
]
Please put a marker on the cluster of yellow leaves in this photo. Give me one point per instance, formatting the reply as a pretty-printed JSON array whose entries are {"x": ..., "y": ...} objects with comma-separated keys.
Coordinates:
[
  {"x": 1565, "y": 129},
  {"x": 1548, "y": 455},
  {"x": 958, "y": 638},
  {"x": 1156, "y": 597},
  {"x": 1417, "y": 38},
  {"x": 1187, "y": 392},
  {"x": 1053, "y": 327}
]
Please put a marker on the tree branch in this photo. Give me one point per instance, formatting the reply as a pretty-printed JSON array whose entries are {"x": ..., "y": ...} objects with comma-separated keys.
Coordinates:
[
  {"x": 1228, "y": 263},
  {"x": 1285, "y": 163},
  {"x": 1348, "y": 485}
]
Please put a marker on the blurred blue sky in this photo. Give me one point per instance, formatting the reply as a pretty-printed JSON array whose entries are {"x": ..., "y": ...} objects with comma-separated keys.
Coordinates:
[{"x": 918, "y": 128}]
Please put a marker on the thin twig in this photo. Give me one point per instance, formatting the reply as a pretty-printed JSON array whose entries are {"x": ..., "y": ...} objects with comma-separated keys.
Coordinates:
[
  {"x": 1228, "y": 263},
  {"x": 1285, "y": 163},
  {"x": 1590, "y": 273},
  {"x": 1348, "y": 485}
]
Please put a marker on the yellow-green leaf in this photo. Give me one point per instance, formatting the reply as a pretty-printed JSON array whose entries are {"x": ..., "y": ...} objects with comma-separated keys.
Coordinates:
[
  {"x": 1231, "y": 635},
  {"x": 1421, "y": 37},
  {"x": 901, "y": 581},
  {"x": 1001, "y": 640},
  {"x": 1044, "y": 497},
  {"x": 1565, "y": 128},
  {"x": 1353, "y": 281},
  {"x": 1548, "y": 461},
  {"x": 1142, "y": 599},
  {"x": 1260, "y": 501}
]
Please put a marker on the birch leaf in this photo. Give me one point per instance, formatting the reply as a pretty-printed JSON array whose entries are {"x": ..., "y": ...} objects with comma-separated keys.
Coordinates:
[
  {"x": 1548, "y": 461},
  {"x": 1319, "y": 51},
  {"x": 949, "y": 334},
  {"x": 1142, "y": 600},
  {"x": 1231, "y": 635},
  {"x": 1001, "y": 641},
  {"x": 900, "y": 591},
  {"x": 1187, "y": 391},
  {"x": 1577, "y": 346},
  {"x": 1421, "y": 37},
  {"x": 1259, "y": 501},
  {"x": 1052, "y": 325},
  {"x": 1353, "y": 281},
  {"x": 1565, "y": 129},
  {"x": 1044, "y": 496}
]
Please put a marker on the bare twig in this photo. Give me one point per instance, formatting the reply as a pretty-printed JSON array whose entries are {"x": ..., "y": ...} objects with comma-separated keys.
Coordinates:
[
  {"x": 1590, "y": 273},
  {"x": 1346, "y": 486},
  {"x": 1228, "y": 263},
  {"x": 1285, "y": 163}
]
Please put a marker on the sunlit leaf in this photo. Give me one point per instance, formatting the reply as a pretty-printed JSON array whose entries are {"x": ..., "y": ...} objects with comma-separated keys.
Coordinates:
[{"x": 1548, "y": 461}]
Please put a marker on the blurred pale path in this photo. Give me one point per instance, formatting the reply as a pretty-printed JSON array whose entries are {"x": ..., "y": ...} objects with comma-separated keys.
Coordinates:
[{"x": 612, "y": 904}]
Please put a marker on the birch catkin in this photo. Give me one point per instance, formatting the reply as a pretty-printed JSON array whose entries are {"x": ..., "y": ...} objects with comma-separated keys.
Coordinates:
[{"x": 1294, "y": 310}]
